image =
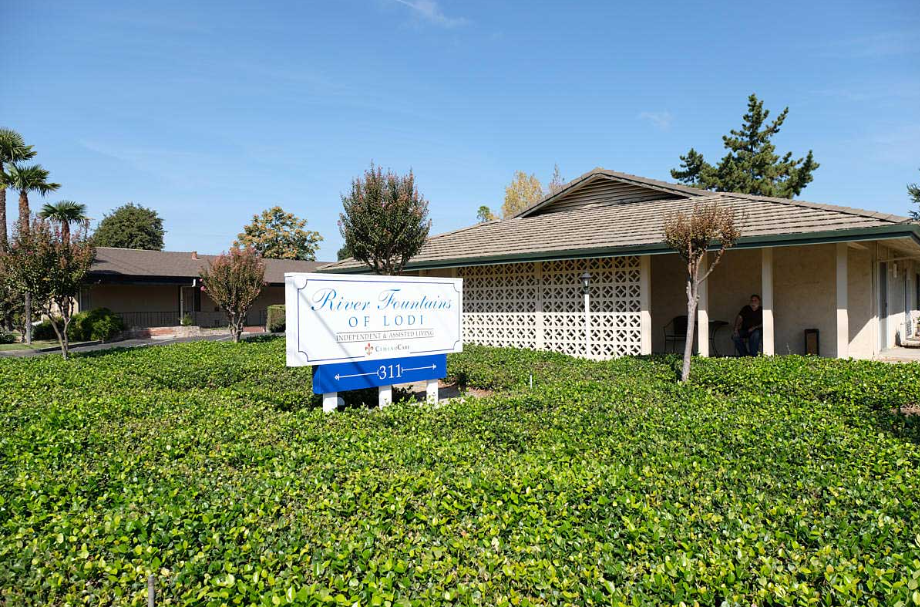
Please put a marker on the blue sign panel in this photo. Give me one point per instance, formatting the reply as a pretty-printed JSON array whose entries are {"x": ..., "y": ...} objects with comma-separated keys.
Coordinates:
[{"x": 339, "y": 377}]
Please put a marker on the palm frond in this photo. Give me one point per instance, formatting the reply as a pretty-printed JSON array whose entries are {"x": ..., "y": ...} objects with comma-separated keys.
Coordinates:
[
  {"x": 13, "y": 147},
  {"x": 65, "y": 210},
  {"x": 30, "y": 178}
]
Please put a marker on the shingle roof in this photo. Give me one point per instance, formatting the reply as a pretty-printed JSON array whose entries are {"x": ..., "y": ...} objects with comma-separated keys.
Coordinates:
[
  {"x": 135, "y": 263},
  {"x": 607, "y": 228}
]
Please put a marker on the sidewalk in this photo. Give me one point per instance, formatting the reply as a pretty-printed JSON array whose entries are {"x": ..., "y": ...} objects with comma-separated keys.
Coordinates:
[{"x": 126, "y": 343}]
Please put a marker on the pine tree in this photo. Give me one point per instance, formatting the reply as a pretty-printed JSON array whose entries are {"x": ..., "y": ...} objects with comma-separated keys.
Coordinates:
[
  {"x": 751, "y": 165},
  {"x": 485, "y": 214},
  {"x": 913, "y": 190}
]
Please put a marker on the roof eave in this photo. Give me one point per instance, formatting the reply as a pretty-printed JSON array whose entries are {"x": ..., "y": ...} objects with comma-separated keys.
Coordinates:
[{"x": 908, "y": 230}]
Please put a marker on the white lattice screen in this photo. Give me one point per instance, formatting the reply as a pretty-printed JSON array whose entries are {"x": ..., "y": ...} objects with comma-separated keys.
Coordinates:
[{"x": 540, "y": 305}]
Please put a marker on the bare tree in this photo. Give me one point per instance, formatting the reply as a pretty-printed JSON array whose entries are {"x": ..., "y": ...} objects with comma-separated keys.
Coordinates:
[
  {"x": 708, "y": 226},
  {"x": 557, "y": 182}
]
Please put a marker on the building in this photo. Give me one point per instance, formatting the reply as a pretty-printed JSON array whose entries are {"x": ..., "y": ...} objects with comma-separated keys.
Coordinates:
[
  {"x": 159, "y": 288},
  {"x": 851, "y": 274}
]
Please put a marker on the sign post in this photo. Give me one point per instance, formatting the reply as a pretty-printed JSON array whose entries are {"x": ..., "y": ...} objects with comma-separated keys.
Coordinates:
[{"x": 372, "y": 331}]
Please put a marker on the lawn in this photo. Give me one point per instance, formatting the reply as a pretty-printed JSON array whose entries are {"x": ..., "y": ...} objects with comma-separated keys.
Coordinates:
[
  {"x": 36, "y": 344},
  {"x": 786, "y": 482}
]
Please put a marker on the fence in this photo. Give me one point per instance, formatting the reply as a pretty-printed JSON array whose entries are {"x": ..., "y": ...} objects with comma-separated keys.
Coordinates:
[{"x": 147, "y": 320}]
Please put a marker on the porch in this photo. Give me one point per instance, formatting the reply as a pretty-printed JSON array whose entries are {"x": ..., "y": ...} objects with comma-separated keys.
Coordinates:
[{"x": 854, "y": 298}]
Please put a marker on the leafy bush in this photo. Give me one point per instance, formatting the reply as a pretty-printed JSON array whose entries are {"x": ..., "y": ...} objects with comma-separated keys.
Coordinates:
[
  {"x": 211, "y": 466},
  {"x": 99, "y": 324},
  {"x": 44, "y": 331},
  {"x": 186, "y": 320},
  {"x": 7, "y": 337},
  {"x": 275, "y": 319}
]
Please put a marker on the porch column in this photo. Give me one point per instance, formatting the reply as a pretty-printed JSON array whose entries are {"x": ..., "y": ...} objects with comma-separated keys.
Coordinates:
[
  {"x": 766, "y": 301},
  {"x": 645, "y": 304},
  {"x": 843, "y": 319},
  {"x": 702, "y": 313}
]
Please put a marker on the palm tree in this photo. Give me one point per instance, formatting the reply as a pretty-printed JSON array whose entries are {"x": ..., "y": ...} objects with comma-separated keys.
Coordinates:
[
  {"x": 12, "y": 149},
  {"x": 65, "y": 213},
  {"x": 31, "y": 178}
]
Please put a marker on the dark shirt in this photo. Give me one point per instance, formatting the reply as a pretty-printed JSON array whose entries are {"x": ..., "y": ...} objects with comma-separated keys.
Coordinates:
[{"x": 750, "y": 318}]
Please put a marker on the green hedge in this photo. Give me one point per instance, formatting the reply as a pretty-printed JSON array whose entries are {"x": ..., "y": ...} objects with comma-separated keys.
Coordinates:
[
  {"x": 99, "y": 324},
  {"x": 275, "y": 319},
  {"x": 210, "y": 465}
]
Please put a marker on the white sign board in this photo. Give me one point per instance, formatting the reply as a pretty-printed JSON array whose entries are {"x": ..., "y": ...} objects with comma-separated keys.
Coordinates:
[{"x": 334, "y": 318}]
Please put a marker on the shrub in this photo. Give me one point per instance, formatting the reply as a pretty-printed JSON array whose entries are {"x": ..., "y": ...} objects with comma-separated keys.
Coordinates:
[
  {"x": 275, "y": 319},
  {"x": 99, "y": 324},
  {"x": 6, "y": 337},
  {"x": 44, "y": 331},
  {"x": 210, "y": 466},
  {"x": 187, "y": 320}
]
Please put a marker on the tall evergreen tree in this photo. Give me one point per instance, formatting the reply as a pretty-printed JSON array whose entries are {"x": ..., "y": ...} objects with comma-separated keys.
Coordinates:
[
  {"x": 913, "y": 190},
  {"x": 751, "y": 165}
]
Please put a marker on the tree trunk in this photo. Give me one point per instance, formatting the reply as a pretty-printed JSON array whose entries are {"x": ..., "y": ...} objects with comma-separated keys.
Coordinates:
[
  {"x": 3, "y": 237},
  {"x": 65, "y": 231},
  {"x": 23, "y": 228},
  {"x": 28, "y": 316},
  {"x": 691, "y": 327},
  {"x": 23, "y": 211},
  {"x": 62, "y": 338}
]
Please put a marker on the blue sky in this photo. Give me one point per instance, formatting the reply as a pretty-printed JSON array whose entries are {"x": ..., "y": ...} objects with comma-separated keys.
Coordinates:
[{"x": 210, "y": 112}]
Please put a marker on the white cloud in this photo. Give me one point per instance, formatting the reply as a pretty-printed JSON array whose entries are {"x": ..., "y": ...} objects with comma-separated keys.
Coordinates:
[
  {"x": 660, "y": 120},
  {"x": 431, "y": 12}
]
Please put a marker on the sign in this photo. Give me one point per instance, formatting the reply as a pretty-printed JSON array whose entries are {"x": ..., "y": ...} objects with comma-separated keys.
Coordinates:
[
  {"x": 340, "y": 377},
  {"x": 336, "y": 319}
]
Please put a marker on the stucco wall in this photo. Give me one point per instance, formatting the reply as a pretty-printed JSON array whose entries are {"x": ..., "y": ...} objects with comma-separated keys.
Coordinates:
[
  {"x": 860, "y": 303},
  {"x": 805, "y": 297},
  {"x": 132, "y": 298},
  {"x": 126, "y": 299}
]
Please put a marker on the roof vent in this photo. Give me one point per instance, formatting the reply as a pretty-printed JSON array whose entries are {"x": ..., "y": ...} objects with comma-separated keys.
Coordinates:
[{"x": 194, "y": 254}]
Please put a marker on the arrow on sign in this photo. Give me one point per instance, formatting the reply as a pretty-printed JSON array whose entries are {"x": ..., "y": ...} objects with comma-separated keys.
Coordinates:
[
  {"x": 338, "y": 376},
  {"x": 432, "y": 367}
]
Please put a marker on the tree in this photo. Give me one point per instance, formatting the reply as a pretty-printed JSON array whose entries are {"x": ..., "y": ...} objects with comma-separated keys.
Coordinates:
[
  {"x": 278, "y": 235},
  {"x": 343, "y": 253},
  {"x": 40, "y": 261},
  {"x": 233, "y": 281},
  {"x": 65, "y": 213},
  {"x": 13, "y": 149},
  {"x": 485, "y": 214},
  {"x": 385, "y": 220},
  {"x": 26, "y": 179},
  {"x": 131, "y": 226},
  {"x": 523, "y": 191},
  {"x": 913, "y": 190},
  {"x": 557, "y": 182},
  {"x": 751, "y": 165},
  {"x": 690, "y": 236}
]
